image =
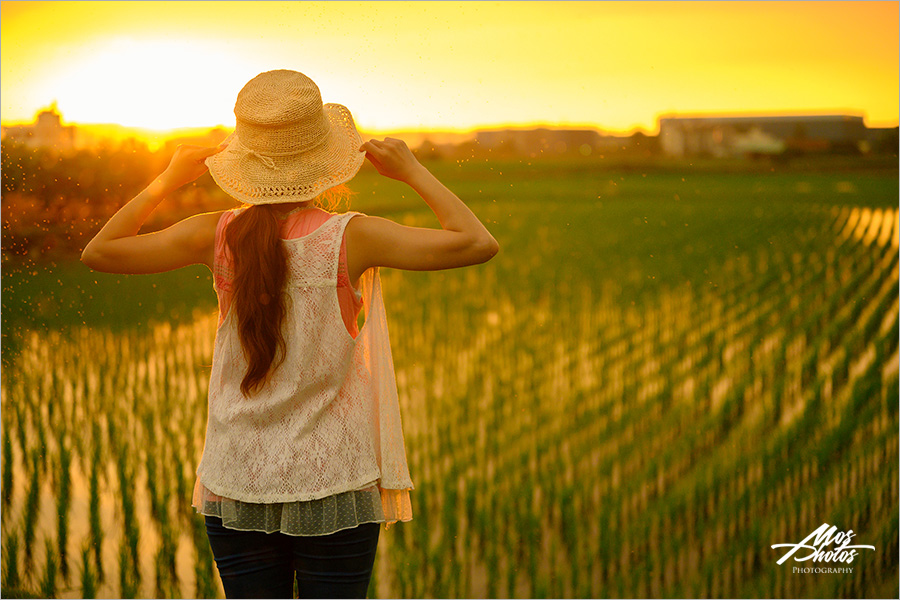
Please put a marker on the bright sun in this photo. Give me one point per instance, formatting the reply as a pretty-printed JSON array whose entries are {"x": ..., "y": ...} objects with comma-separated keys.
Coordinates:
[{"x": 154, "y": 84}]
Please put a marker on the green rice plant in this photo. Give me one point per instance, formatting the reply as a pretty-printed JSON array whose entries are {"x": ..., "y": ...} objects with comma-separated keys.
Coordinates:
[
  {"x": 533, "y": 544},
  {"x": 569, "y": 527},
  {"x": 398, "y": 542},
  {"x": 62, "y": 506},
  {"x": 32, "y": 506},
  {"x": 129, "y": 578},
  {"x": 10, "y": 577},
  {"x": 112, "y": 435},
  {"x": 512, "y": 571},
  {"x": 42, "y": 449},
  {"x": 492, "y": 565},
  {"x": 132, "y": 534},
  {"x": 183, "y": 509},
  {"x": 88, "y": 579},
  {"x": 440, "y": 571},
  {"x": 21, "y": 430},
  {"x": 204, "y": 582},
  {"x": 7, "y": 467},
  {"x": 96, "y": 527},
  {"x": 167, "y": 550},
  {"x": 48, "y": 582},
  {"x": 161, "y": 578},
  {"x": 150, "y": 465}
]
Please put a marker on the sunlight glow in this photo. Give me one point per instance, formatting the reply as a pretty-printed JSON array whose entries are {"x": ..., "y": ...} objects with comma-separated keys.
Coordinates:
[
  {"x": 154, "y": 84},
  {"x": 453, "y": 66}
]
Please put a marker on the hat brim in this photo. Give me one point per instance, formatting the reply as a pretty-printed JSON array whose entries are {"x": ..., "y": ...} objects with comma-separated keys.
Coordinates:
[{"x": 251, "y": 179}]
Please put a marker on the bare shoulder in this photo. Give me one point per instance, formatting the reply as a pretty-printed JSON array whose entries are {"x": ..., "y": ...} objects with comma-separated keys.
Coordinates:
[
  {"x": 210, "y": 219},
  {"x": 200, "y": 235},
  {"x": 204, "y": 225},
  {"x": 367, "y": 234},
  {"x": 360, "y": 234},
  {"x": 365, "y": 226}
]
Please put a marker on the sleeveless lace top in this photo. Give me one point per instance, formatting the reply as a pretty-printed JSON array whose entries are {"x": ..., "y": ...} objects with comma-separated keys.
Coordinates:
[{"x": 320, "y": 447}]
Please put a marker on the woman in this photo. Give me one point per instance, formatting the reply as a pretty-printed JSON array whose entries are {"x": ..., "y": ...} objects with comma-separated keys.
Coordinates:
[{"x": 304, "y": 451}]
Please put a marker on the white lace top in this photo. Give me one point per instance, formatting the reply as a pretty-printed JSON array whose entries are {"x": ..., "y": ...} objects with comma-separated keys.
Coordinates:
[{"x": 320, "y": 447}]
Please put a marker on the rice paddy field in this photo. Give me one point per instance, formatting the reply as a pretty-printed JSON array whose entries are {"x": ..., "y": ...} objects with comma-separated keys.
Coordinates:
[{"x": 660, "y": 375}]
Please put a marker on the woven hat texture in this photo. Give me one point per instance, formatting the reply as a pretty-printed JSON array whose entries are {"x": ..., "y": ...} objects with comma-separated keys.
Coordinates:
[{"x": 287, "y": 146}]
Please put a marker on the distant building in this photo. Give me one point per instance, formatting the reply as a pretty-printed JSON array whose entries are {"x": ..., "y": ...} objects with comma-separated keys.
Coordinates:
[
  {"x": 46, "y": 132},
  {"x": 883, "y": 140},
  {"x": 742, "y": 136}
]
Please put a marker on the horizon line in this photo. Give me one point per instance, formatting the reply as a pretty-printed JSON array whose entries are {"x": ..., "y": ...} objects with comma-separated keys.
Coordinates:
[{"x": 496, "y": 126}]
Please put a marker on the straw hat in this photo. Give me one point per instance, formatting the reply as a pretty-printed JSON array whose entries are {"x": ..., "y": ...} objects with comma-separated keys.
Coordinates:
[{"x": 287, "y": 146}]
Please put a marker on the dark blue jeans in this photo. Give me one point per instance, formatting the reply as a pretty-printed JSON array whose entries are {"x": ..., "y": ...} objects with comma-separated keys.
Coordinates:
[{"x": 253, "y": 564}]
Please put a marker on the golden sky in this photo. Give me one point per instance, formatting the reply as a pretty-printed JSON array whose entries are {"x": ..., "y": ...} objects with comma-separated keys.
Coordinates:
[{"x": 453, "y": 66}]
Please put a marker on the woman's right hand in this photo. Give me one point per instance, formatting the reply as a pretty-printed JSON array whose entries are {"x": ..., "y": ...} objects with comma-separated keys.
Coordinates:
[
  {"x": 187, "y": 164},
  {"x": 392, "y": 158}
]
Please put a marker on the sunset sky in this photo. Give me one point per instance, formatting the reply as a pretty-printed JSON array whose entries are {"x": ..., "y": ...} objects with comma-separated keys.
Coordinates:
[{"x": 453, "y": 66}]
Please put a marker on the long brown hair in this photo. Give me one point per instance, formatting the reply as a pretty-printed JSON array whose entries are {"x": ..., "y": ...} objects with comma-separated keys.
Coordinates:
[{"x": 253, "y": 238}]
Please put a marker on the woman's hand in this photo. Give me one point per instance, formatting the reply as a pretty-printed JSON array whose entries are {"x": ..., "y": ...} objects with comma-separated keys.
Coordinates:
[
  {"x": 187, "y": 164},
  {"x": 392, "y": 158},
  {"x": 118, "y": 248},
  {"x": 376, "y": 242}
]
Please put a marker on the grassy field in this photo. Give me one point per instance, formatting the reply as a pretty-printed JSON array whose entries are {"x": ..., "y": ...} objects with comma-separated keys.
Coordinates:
[{"x": 662, "y": 374}]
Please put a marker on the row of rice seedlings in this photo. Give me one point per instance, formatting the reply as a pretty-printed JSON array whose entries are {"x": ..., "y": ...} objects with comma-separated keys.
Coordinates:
[
  {"x": 795, "y": 518},
  {"x": 94, "y": 520},
  {"x": 804, "y": 474},
  {"x": 832, "y": 457},
  {"x": 774, "y": 372},
  {"x": 536, "y": 452}
]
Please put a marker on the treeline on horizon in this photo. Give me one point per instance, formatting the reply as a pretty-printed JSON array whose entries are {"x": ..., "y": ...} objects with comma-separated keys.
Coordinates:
[{"x": 53, "y": 202}]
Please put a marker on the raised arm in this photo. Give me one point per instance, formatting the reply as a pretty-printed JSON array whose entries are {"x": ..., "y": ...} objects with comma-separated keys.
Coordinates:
[
  {"x": 118, "y": 248},
  {"x": 375, "y": 241}
]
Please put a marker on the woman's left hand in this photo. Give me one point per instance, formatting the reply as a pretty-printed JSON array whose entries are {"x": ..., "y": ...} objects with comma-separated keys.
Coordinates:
[{"x": 187, "y": 164}]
